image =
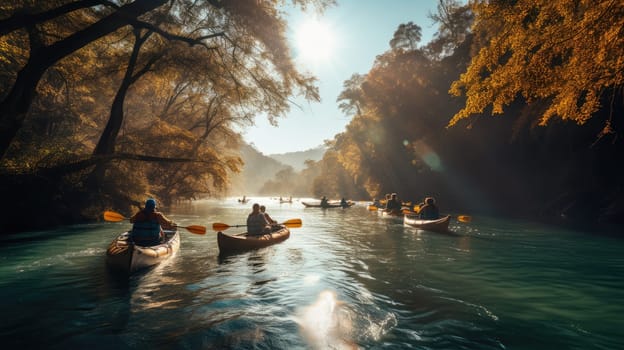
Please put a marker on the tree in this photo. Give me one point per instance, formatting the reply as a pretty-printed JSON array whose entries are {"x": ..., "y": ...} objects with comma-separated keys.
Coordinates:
[
  {"x": 564, "y": 54},
  {"x": 351, "y": 97},
  {"x": 406, "y": 37},
  {"x": 454, "y": 20},
  {"x": 16, "y": 103},
  {"x": 251, "y": 29}
]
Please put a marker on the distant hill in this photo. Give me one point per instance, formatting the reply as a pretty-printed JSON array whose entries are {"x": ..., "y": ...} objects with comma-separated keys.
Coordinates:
[
  {"x": 257, "y": 170},
  {"x": 297, "y": 159}
]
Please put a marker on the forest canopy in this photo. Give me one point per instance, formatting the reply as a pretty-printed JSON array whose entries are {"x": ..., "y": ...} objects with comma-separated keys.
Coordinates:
[
  {"x": 552, "y": 70},
  {"x": 103, "y": 103},
  {"x": 107, "y": 102}
]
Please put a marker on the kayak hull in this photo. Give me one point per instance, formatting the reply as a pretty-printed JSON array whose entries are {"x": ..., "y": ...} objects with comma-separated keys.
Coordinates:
[
  {"x": 330, "y": 205},
  {"x": 439, "y": 225},
  {"x": 242, "y": 242},
  {"x": 390, "y": 214},
  {"x": 124, "y": 256}
]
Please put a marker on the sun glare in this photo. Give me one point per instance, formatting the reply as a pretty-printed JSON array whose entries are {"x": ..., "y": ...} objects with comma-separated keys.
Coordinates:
[{"x": 315, "y": 41}]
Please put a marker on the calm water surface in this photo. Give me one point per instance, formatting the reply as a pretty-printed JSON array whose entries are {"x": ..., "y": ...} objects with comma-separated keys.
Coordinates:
[{"x": 346, "y": 279}]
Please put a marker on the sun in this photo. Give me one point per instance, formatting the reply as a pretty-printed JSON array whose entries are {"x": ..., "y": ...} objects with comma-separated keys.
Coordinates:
[{"x": 315, "y": 41}]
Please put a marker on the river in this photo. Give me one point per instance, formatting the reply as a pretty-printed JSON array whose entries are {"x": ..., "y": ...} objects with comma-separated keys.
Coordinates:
[{"x": 346, "y": 279}]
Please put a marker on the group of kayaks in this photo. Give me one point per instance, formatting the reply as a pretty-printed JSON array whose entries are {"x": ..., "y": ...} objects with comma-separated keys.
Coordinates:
[{"x": 126, "y": 256}]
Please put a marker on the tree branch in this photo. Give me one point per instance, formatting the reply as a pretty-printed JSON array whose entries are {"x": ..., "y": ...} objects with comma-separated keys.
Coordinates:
[
  {"x": 22, "y": 19},
  {"x": 171, "y": 36}
]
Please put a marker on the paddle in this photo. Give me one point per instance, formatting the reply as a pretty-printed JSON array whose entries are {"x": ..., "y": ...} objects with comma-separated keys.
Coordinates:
[
  {"x": 292, "y": 223},
  {"x": 372, "y": 207},
  {"x": 116, "y": 217},
  {"x": 464, "y": 218}
]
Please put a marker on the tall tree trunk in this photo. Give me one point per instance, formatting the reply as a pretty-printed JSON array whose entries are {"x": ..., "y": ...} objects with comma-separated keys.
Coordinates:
[
  {"x": 106, "y": 144},
  {"x": 15, "y": 106},
  {"x": 108, "y": 139}
]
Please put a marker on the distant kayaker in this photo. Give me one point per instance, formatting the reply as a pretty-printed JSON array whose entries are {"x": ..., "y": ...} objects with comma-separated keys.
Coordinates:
[
  {"x": 393, "y": 204},
  {"x": 324, "y": 202},
  {"x": 429, "y": 211},
  {"x": 148, "y": 225},
  {"x": 343, "y": 203},
  {"x": 266, "y": 215},
  {"x": 257, "y": 223}
]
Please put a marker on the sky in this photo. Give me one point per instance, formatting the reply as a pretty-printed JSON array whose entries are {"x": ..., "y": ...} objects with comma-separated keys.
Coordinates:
[{"x": 341, "y": 42}]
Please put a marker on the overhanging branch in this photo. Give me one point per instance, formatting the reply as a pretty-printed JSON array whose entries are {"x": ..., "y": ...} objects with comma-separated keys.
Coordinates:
[{"x": 171, "y": 36}]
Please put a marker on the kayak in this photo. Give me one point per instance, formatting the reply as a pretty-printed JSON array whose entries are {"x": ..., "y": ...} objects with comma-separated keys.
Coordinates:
[
  {"x": 125, "y": 256},
  {"x": 439, "y": 225},
  {"x": 242, "y": 242},
  {"x": 390, "y": 214},
  {"x": 329, "y": 205}
]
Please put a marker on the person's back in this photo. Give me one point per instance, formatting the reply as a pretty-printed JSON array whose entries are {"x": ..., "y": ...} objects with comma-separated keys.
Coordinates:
[
  {"x": 256, "y": 222},
  {"x": 146, "y": 228},
  {"x": 429, "y": 211},
  {"x": 393, "y": 204}
]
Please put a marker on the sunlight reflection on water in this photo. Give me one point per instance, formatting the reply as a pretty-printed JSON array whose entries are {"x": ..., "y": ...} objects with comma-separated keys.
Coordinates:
[
  {"x": 326, "y": 324},
  {"x": 345, "y": 279}
]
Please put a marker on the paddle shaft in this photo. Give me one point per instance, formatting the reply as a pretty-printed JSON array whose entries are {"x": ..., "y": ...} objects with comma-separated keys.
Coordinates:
[{"x": 116, "y": 217}]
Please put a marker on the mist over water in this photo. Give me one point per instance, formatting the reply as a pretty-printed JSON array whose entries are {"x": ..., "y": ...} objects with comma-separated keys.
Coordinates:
[{"x": 346, "y": 279}]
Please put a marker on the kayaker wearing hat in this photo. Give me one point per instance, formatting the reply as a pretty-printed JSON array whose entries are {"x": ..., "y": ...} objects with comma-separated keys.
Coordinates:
[{"x": 146, "y": 228}]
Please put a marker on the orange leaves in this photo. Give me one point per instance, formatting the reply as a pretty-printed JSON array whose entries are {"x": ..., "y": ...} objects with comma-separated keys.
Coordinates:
[{"x": 544, "y": 50}]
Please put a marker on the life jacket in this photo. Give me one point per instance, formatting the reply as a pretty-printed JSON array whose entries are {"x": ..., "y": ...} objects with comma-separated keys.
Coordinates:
[{"x": 146, "y": 231}]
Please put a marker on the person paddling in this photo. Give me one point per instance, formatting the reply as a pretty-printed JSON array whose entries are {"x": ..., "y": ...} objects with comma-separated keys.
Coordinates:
[
  {"x": 148, "y": 225},
  {"x": 393, "y": 205},
  {"x": 257, "y": 223},
  {"x": 267, "y": 216},
  {"x": 430, "y": 210}
]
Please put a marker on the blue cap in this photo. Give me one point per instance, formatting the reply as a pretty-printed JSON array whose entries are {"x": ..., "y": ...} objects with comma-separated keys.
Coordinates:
[{"x": 150, "y": 204}]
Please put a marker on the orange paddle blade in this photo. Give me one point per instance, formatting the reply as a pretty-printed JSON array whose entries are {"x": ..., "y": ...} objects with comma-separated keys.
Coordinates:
[
  {"x": 464, "y": 218},
  {"x": 416, "y": 209},
  {"x": 218, "y": 226},
  {"x": 113, "y": 216},
  {"x": 372, "y": 207},
  {"x": 196, "y": 229},
  {"x": 293, "y": 223}
]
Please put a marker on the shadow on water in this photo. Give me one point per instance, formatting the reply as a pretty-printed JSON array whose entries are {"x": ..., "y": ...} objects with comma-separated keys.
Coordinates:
[{"x": 43, "y": 236}]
